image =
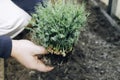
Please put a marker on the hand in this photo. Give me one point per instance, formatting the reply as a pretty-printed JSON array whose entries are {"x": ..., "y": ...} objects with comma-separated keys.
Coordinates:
[{"x": 25, "y": 52}]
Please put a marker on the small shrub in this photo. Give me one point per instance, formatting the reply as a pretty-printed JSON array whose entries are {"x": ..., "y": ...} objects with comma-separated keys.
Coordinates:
[{"x": 57, "y": 26}]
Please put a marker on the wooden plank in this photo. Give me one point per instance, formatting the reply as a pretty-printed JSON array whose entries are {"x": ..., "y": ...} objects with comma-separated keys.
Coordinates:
[
  {"x": 105, "y": 1},
  {"x": 114, "y": 7},
  {"x": 108, "y": 17},
  {"x": 1, "y": 69},
  {"x": 118, "y": 9},
  {"x": 109, "y": 8}
]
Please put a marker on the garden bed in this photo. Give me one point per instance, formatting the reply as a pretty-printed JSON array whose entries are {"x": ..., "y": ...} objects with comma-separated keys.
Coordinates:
[{"x": 95, "y": 57}]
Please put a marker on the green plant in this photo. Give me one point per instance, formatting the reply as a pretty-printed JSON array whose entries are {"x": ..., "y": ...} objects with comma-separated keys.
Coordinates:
[{"x": 57, "y": 26}]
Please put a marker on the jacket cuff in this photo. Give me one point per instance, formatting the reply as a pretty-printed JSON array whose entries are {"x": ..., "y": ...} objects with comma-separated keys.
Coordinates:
[{"x": 5, "y": 46}]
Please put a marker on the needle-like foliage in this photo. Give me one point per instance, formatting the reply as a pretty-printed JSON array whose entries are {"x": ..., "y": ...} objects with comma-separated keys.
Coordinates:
[{"x": 57, "y": 26}]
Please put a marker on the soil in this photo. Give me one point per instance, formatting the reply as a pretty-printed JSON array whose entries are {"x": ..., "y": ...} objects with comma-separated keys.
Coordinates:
[{"x": 96, "y": 56}]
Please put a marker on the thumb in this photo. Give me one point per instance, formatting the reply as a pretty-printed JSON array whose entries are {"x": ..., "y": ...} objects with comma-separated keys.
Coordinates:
[{"x": 40, "y": 50}]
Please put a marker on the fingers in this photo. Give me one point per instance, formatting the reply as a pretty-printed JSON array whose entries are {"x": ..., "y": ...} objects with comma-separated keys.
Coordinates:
[
  {"x": 42, "y": 67},
  {"x": 38, "y": 65}
]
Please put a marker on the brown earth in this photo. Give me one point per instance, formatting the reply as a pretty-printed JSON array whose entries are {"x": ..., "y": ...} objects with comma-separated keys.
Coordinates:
[{"x": 95, "y": 57}]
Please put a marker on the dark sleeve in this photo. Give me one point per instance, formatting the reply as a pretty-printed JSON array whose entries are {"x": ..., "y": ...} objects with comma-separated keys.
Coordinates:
[
  {"x": 5, "y": 46},
  {"x": 27, "y": 5}
]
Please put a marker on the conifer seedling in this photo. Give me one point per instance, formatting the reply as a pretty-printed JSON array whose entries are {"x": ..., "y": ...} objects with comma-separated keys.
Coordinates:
[{"x": 57, "y": 26}]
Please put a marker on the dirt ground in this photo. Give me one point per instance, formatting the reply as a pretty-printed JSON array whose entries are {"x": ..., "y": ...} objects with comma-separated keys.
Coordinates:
[{"x": 95, "y": 57}]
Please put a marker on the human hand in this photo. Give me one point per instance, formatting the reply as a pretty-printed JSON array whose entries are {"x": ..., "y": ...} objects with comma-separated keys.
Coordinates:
[{"x": 26, "y": 53}]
